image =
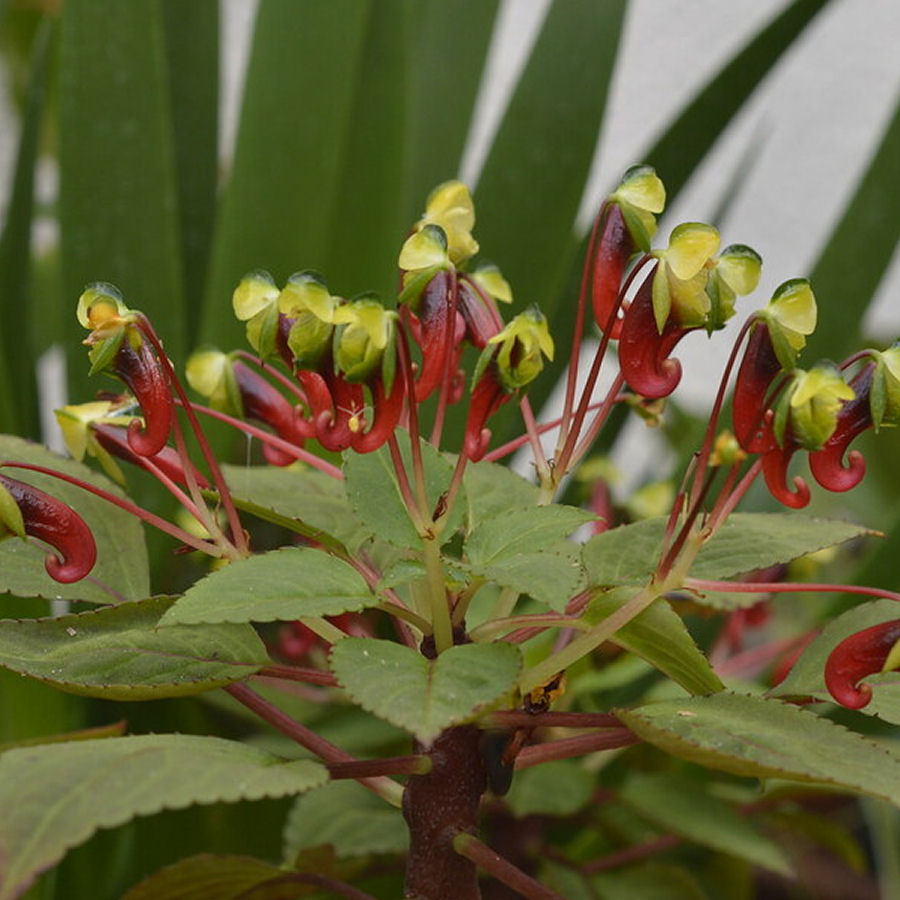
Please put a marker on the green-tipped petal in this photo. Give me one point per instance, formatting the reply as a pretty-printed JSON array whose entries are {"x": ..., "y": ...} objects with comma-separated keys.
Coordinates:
[
  {"x": 884, "y": 395},
  {"x": 424, "y": 249},
  {"x": 100, "y": 304},
  {"x": 255, "y": 292},
  {"x": 691, "y": 244},
  {"x": 739, "y": 267},
  {"x": 453, "y": 199},
  {"x": 210, "y": 374},
  {"x": 491, "y": 280},
  {"x": 791, "y": 314},
  {"x": 11, "y": 519},
  {"x": 662, "y": 298},
  {"x": 642, "y": 188},
  {"x": 364, "y": 331},
  {"x": 307, "y": 292},
  {"x": 521, "y": 343},
  {"x": 815, "y": 402},
  {"x": 74, "y": 424}
]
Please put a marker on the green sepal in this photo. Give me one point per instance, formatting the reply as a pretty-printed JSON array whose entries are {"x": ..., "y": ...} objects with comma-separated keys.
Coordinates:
[
  {"x": 884, "y": 394},
  {"x": 262, "y": 331},
  {"x": 414, "y": 286},
  {"x": 389, "y": 362},
  {"x": 662, "y": 298},
  {"x": 782, "y": 412},
  {"x": 10, "y": 515},
  {"x": 484, "y": 359},
  {"x": 104, "y": 352}
]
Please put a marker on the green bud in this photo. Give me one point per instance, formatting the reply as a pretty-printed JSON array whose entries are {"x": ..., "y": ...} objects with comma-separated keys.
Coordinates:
[
  {"x": 522, "y": 345},
  {"x": 815, "y": 399},
  {"x": 364, "y": 330}
]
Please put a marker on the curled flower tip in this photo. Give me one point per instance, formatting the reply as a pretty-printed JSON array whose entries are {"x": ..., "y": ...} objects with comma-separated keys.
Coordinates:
[
  {"x": 644, "y": 351},
  {"x": 854, "y": 417},
  {"x": 775, "y": 464},
  {"x": 487, "y": 397},
  {"x": 387, "y": 407},
  {"x": 51, "y": 521},
  {"x": 145, "y": 377},
  {"x": 864, "y": 653}
]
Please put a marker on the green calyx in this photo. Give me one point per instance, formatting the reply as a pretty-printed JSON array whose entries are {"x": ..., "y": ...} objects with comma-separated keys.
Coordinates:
[
  {"x": 811, "y": 403},
  {"x": 640, "y": 196},
  {"x": 884, "y": 394},
  {"x": 365, "y": 332},
  {"x": 306, "y": 299},
  {"x": 791, "y": 316},
  {"x": 518, "y": 350},
  {"x": 211, "y": 374}
]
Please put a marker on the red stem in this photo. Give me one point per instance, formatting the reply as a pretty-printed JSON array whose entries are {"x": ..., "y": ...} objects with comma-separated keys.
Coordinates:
[
  {"x": 786, "y": 587},
  {"x": 298, "y": 673},
  {"x": 514, "y": 718},
  {"x": 611, "y": 739}
]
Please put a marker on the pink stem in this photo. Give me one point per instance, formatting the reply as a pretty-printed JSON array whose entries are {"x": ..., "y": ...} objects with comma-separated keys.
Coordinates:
[{"x": 787, "y": 587}]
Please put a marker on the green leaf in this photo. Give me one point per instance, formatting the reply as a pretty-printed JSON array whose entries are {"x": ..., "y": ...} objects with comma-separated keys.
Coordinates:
[
  {"x": 447, "y": 58},
  {"x": 685, "y": 806},
  {"x": 653, "y": 881},
  {"x": 210, "y": 876},
  {"x": 870, "y": 225},
  {"x": 191, "y": 32},
  {"x": 401, "y": 686},
  {"x": 118, "y": 652},
  {"x": 279, "y": 204},
  {"x": 370, "y": 216},
  {"x": 56, "y": 796},
  {"x": 659, "y": 636},
  {"x": 492, "y": 488},
  {"x": 374, "y": 493},
  {"x": 765, "y": 738},
  {"x": 118, "y": 195},
  {"x": 523, "y": 530},
  {"x": 807, "y": 679},
  {"x": 281, "y": 585},
  {"x": 745, "y": 542},
  {"x": 560, "y": 787},
  {"x": 554, "y": 114},
  {"x": 18, "y": 394},
  {"x": 348, "y": 817},
  {"x": 121, "y": 571},
  {"x": 552, "y": 576},
  {"x": 314, "y": 503}
]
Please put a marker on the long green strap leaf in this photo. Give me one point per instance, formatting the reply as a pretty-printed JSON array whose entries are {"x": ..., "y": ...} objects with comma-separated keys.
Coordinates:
[
  {"x": 370, "y": 215},
  {"x": 18, "y": 401},
  {"x": 858, "y": 251},
  {"x": 118, "y": 197},
  {"x": 446, "y": 64},
  {"x": 279, "y": 204},
  {"x": 192, "y": 55}
]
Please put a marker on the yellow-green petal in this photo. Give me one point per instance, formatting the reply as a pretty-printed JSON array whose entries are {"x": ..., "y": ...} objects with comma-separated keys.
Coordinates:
[
  {"x": 739, "y": 267},
  {"x": 306, "y": 292},
  {"x": 453, "y": 198},
  {"x": 793, "y": 306},
  {"x": 424, "y": 249},
  {"x": 691, "y": 244},
  {"x": 491, "y": 280},
  {"x": 642, "y": 188},
  {"x": 254, "y": 293}
]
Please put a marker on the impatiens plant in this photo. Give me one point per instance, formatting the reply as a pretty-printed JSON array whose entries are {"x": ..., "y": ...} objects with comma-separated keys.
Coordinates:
[{"x": 463, "y": 664}]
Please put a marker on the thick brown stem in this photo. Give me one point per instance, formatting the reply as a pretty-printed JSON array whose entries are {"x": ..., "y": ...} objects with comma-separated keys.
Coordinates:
[{"x": 439, "y": 805}]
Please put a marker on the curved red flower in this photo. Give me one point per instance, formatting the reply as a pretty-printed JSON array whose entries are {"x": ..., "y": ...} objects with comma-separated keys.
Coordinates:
[
  {"x": 144, "y": 374},
  {"x": 855, "y": 657},
  {"x": 57, "y": 524}
]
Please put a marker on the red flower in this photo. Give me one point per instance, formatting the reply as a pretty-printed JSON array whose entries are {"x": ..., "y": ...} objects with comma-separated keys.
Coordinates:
[{"x": 861, "y": 654}]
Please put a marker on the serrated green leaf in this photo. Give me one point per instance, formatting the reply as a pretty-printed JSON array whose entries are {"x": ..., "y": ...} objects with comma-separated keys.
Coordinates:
[
  {"x": 401, "y": 686},
  {"x": 522, "y": 530},
  {"x": 121, "y": 571},
  {"x": 745, "y": 542},
  {"x": 285, "y": 584},
  {"x": 559, "y": 787},
  {"x": 552, "y": 576},
  {"x": 685, "y": 807},
  {"x": 766, "y": 738},
  {"x": 56, "y": 796},
  {"x": 348, "y": 817},
  {"x": 659, "y": 636},
  {"x": 210, "y": 876},
  {"x": 374, "y": 493},
  {"x": 492, "y": 488},
  {"x": 118, "y": 652},
  {"x": 807, "y": 679},
  {"x": 313, "y": 501}
]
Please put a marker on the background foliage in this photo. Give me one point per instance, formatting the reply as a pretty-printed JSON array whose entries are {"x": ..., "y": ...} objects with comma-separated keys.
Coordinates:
[{"x": 351, "y": 111}]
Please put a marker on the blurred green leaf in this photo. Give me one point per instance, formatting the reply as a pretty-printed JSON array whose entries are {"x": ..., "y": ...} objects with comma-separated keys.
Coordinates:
[
  {"x": 191, "y": 32},
  {"x": 278, "y": 207},
  {"x": 559, "y": 787},
  {"x": 118, "y": 193},
  {"x": 858, "y": 252},
  {"x": 687, "y": 808},
  {"x": 447, "y": 57},
  {"x": 18, "y": 397},
  {"x": 370, "y": 216}
]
